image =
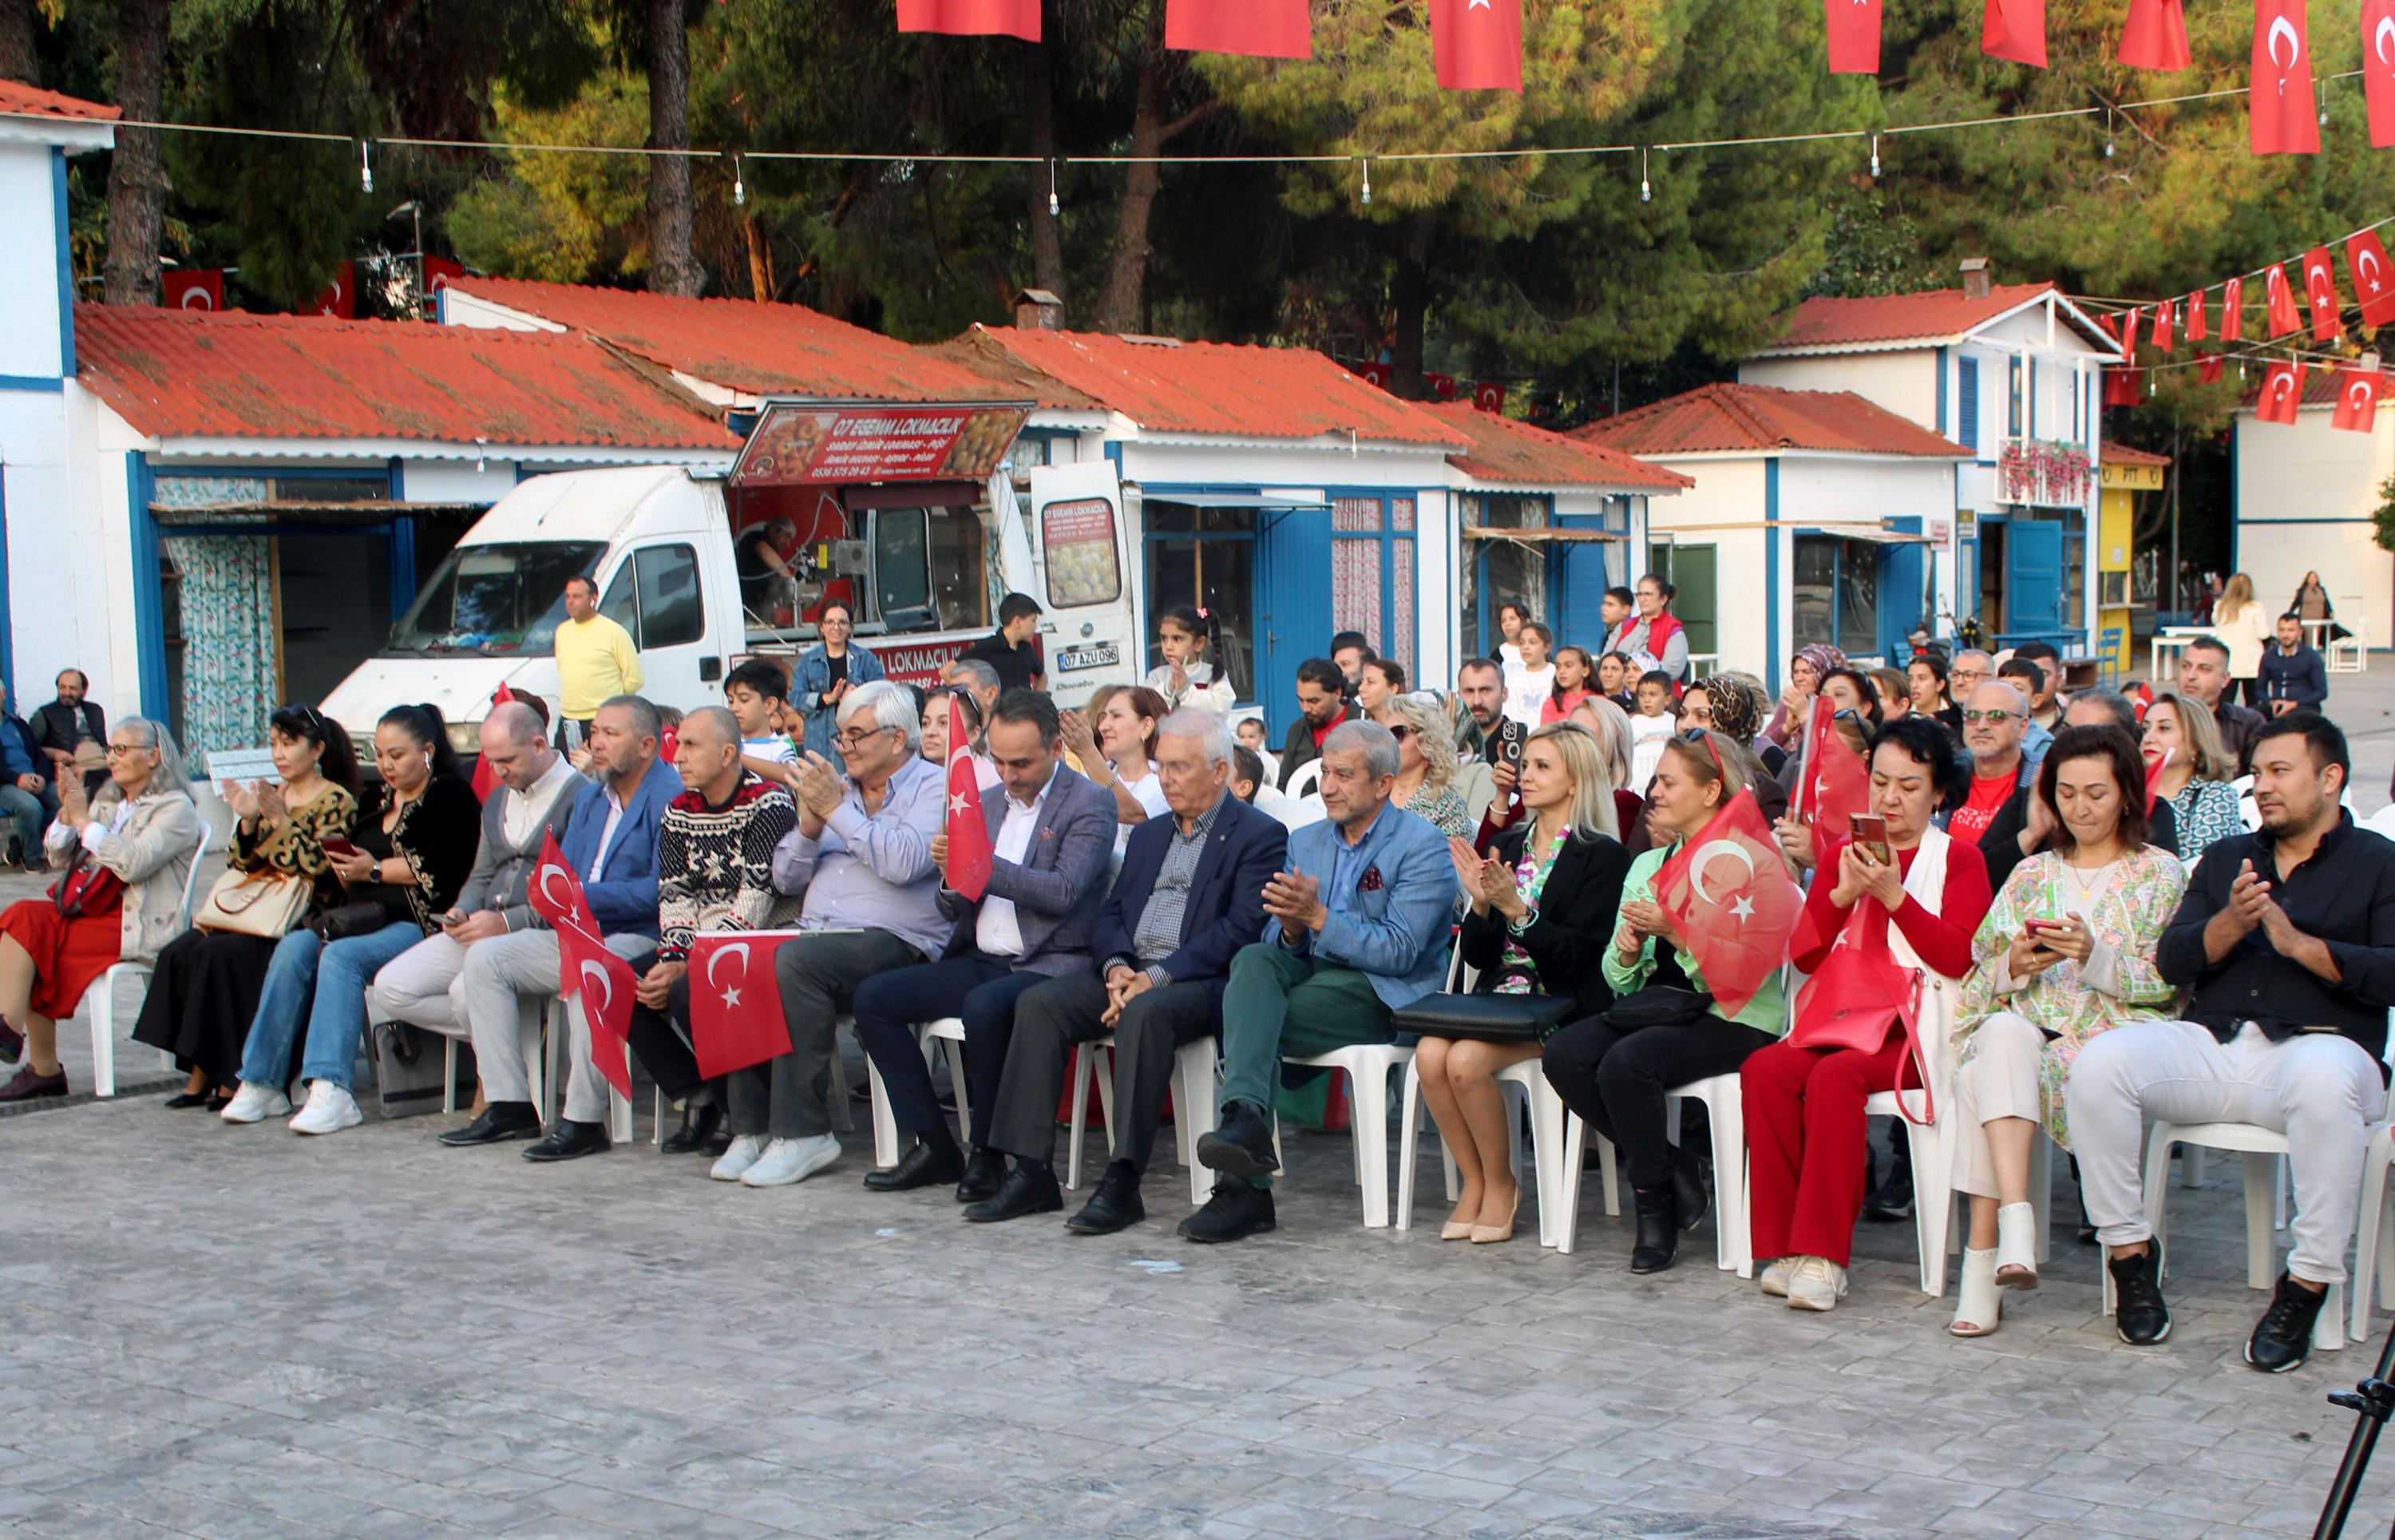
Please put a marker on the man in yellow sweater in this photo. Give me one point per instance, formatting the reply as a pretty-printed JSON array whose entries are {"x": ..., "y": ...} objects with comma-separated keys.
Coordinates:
[{"x": 596, "y": 662}]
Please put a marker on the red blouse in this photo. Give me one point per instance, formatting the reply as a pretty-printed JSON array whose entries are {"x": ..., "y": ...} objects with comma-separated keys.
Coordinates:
[{"x": 1942, "y": 941}]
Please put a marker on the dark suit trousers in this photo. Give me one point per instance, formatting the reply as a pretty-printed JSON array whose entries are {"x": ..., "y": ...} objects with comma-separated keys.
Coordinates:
[
  {"x": 789, "y": 1096},
  {"x": 1062, "y": 1011},
  {"x": 980, "y": 991},
  {"x": 661, "y": 1039}
]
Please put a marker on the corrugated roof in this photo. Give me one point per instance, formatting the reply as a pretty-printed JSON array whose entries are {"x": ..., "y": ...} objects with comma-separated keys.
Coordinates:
[
  {"x": 1760, "y": 418},
  {"x": 1518, "y": 453},
  {"x": 182, "y": 373},
  {"x": 1219, "y": 387},
  {"x": 2121, "y": 453},
  {"x": 740, "y": 344},
  {"x": 32, "y": 101},
  {"x": 1929, "y": 315},
  {"x": 977, "y": 352}
]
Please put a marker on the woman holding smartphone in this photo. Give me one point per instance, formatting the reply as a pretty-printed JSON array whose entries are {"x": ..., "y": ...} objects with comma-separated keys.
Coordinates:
[
  {"x": 399, "y": 871},
  {"x": 2066, "y": 953}
]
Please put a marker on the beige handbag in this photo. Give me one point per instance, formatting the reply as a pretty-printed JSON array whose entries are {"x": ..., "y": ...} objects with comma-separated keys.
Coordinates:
[{"x": 264, "y": 904}]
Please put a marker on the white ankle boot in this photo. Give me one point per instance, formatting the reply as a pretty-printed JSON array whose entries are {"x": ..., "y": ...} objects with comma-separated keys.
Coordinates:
[
  {"x": 2016, "y": 1260},
  {"x": 1979, "y": 1304}
]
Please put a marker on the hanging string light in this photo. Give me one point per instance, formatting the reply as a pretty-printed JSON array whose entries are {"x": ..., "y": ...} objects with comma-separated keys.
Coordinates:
[
  {"x": 1874, "y": 157},
  {"x": 1646, "y": 187},
  {"x": 1368, "y": 181},
  {"x": 365, "y": 166},
  {"x": 739, "y": 188}
]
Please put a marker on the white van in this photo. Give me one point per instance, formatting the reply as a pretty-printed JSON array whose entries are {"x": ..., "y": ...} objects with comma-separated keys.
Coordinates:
[{"x": 923, "y": 558}]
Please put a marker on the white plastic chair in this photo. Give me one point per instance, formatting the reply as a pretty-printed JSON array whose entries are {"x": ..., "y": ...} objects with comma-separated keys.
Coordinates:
[
  {"x": 1193, "y": 1106},
  {"x": 1725, "y": 1100},
  {"x": 947, "y": 1030},
  {"x": 1369, "y": 1066},
  {"x": 2374, "y": 1238},
  {"x": 1302, "y": 782},
  {"x": 1547, "y": 1143},
  {"x": 2263, "y": 1150},
  {"x": 100, "y": 999}
]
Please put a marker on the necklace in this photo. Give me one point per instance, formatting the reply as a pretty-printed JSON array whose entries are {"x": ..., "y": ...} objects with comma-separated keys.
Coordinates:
[{"x": 2084, "y": 887}]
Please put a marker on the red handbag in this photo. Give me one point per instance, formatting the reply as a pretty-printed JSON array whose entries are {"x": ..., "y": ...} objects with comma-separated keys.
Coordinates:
[
  {"x": 86, "y": 887},
  {"x": 1860, "y": 995}
]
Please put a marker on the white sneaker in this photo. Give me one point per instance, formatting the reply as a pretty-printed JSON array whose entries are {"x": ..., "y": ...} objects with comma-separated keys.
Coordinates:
[
  {"x": 743, "y": 1154},
  {"x": 255, "y": 1103},
  {"x": 1776, "y": 1276},
  {"x": 1816, "y": 1284},
  {"x": 330, "y": 1108},
  {"x": 787, "y": 1161}
]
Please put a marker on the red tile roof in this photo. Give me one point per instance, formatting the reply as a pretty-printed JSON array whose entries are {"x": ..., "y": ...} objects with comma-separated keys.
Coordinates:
[
  {"x": 977, "y": 352},
  {"x": 1220, "y": 386},
  {"x": 176, "y": 374},
  {"x": 1504, "y": 450},
  {"x": 1759, "y": 418},
  {"x": 31, "y": 101},
  {"x": 740, "y": 344},
  {"x": 1827, "y": 323},
  {"x": 2121, "y": 453}
]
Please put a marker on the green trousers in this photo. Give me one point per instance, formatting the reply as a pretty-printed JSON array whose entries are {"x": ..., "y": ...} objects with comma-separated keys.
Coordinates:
[{"x": 1279, "y": 1004}]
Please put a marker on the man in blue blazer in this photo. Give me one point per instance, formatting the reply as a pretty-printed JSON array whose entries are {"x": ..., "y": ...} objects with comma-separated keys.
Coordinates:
[
  {"x": 1189, "y": 896},
  {"x": 1054, "y": 838},
  {"x": 1358, "y": 928},
  {"x": 611, "y": 845}
]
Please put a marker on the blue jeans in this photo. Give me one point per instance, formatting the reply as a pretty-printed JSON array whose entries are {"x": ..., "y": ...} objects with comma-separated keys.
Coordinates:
[
  {"x": 32, "y": 814},
  {"x": 334, "y": 1015}
]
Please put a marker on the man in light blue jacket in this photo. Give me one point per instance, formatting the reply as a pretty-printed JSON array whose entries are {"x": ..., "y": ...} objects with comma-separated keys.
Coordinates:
[{"x": 1357, "y": 928}]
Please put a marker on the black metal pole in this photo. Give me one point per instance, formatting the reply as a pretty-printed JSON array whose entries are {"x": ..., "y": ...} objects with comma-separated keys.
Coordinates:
[{"x": 2369, "y": 1401}]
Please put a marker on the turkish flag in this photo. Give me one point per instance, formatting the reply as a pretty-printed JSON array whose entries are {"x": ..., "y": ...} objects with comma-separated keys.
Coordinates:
[
  {"x": 1373, "y": 374},
  {"x": 601, "y": 983},
  {"x": 971, "y": 18},
  {"x": 1836, "y": 788},
  {"x": 1477, "y": 45},
  {"x": 192, "y": 288},
  {"x": 968, "y": 830},
  {"x": 735, "y": 1008},
  {"x": 2357, "y": 400},
  {"x": 2279, "y": 302},
  {"x": 2195, "y": 316},
  {"x": 2232, "y": 311},
  {"x": 1488, "y": 396},
  {"x": 2320, "y": 295},
  {"x": 339, "y": 297},
  {"x": 1441, "y": 386},
  {"x": 2155, "y": 37},
  {"x": 1268, "y": 29},
  {"x": 2129, "y": 324},
  {"x": 440, "y": 272},
  {"x": 486, "y": 780},
  {"x": 2122, "y": 387},
  {"x": 2207, "y": 369},
  {"x": 2163, "y": 326},
  {"x": 2013, "y": 29},
  {"x": 2282, "y": 391},
  {"x": 556, "y": 893},
  {"x": 2373, "y": 279},
  {"x": 2378, "y": 69},
  {"x": 1737, "y": 917},
  {"x": 2281, "y": 115},
  {"x": 2154, "y": 768},
  {"x": 1853, "y": 27}
]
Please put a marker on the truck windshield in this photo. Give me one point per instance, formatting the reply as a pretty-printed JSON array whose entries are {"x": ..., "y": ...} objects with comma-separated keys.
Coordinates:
[{"x": 500, "y": 599}]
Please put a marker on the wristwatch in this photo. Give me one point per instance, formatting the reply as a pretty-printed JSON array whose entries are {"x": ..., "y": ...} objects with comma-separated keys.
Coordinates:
[{"x": 1522, "y": 926}]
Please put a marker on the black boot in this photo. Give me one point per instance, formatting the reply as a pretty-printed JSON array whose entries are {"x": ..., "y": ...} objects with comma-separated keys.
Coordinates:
[
  {"x": 1690, "y": 1172},
  {"x": 699, "y": 1122},
  {"x": 1116, "y": 1205},
  {"x": 1236, "y": 1211},
  {"x": 1242, "y": 1144},
  {"x": 1027, "y": 1189},
  {"x": 2139, "y": 1313},
  {"x": 1659, "y": 1235},
  {"x": 1892, "y": 1198}
]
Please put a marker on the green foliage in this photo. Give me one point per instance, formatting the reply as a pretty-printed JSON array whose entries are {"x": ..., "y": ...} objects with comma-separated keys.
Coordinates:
[{"x": 2382, "y": 518}]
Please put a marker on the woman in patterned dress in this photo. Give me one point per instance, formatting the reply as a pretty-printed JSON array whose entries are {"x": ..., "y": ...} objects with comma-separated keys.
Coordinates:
[
  {"x": 1425, "y": 765},
  {"x": 2067, "y": 952},
  {"x": 2196, "y": 770}
]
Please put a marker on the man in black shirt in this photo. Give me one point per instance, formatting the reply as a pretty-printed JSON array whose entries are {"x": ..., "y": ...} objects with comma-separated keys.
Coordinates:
[
  {"x": 1320, "y": 708},
  {"x": 68, "y": 722},
  {"x": 2287, "y": 938},
  {"x": 766, "y": 581},
  {"x": 2292, "y": 675},
  {"x": 1011, "y": 652},
  {"x": 2203, "y": 676}
]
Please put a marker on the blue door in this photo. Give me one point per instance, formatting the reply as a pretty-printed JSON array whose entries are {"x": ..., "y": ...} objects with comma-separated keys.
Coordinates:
[
  {"x": 1901, "y": 576},
  {"x": 2032, "y": 575},
  {"x": 1294, "y": 619}
]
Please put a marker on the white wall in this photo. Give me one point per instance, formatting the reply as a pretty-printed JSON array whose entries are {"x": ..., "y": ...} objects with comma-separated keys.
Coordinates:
[
  {"x": 449, "y": 481},
  {"x": 70, "y": 571},
  {"x": 1904, "y": 383},
  {"x": 2304, "y": 499},
  {"x": 30, "y": 340}
]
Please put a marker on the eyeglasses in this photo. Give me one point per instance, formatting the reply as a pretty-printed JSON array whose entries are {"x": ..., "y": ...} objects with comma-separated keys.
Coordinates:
[
  {"x": 117, "y": 749},
  {"x": 1988, "y": 716},
  {"x": 854, "y": 739}
]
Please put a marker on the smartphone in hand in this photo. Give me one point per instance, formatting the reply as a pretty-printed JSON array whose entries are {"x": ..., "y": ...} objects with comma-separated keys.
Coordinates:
[
  {"x": 1870, "y": 831},
  {"x": 1511, "y": 736},
  {"x": 336, "y": 844}
]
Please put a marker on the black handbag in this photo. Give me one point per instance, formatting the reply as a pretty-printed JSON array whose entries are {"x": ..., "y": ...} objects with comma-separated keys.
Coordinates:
[
  {"x": 1486, "y": 1017},
  {"x": 1659, "y": 1005},
  {"x": 343, "y": 921}
]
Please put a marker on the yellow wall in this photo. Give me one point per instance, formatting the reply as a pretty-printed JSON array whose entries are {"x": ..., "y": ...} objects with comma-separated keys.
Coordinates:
[{"x": 2115, "y": 532}]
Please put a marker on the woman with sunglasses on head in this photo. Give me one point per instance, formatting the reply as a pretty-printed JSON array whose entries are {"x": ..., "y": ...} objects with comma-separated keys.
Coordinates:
[
  {"x": 825, "y": 672},
  {"x": 1425, "y": 765},
  {"x": 2195, "y": 775},
  {"x": 123, "y": 858},
  {"x": 417, "y": 831},
  {"x": 204, "y": 990}
]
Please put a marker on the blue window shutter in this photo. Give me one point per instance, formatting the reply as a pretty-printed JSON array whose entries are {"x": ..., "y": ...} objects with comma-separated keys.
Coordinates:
[{"x": 1966, "y": 402}]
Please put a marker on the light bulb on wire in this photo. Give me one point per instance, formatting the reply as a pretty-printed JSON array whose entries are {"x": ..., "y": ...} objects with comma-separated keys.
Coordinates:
[
  {"x": 1646, "y": 187},
  {"x": 365, "y": 166},
  {"x": 1367, "y": 184},
  {"x": 1874, "y": 157}
]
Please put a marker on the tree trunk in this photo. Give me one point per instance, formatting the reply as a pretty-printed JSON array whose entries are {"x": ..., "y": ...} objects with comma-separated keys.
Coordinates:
[
  {"x": 1410, "y": 294},
  {"x": 136, "y": 180},
  {"x": 673, "y": 268},
  {"x": 761, "y": 258},
  {"x": 1118, "y": 302},
  {"x": 1040, "y": 108},
  {"x": 16, "y": 42}
]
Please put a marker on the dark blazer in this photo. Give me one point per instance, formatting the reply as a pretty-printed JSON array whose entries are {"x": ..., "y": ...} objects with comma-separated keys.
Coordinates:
[
  {"x": 1061, "y": 882},
  {"x": 2000, "y": 846},
  {"x": 1226, "y": 895},
  {"x": 624, "y": 895},
  {"x": 55, "y": 726},
  {"x": 1576, "y": 916}
]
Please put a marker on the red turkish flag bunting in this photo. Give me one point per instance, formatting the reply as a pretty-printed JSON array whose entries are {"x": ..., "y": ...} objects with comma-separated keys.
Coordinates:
[
  {"x": 2281, "y": 115},
  {"x": 735, "y": 1008},
  {"x": 191, "y": 288},
  {"x": 339, "y": 297},
  {"x": 2378, "y": 69},
  {"x": 440, "y": 272},
  {"x": 2319, "y": 294},
  {"x": 2282, "y": 391},
  {"x": 1488, "y": 396},
  {"x": 556, "y": 893},
  {"x": 2232, "y": 311},
  {"x": 1266, "y": 29},
  {"x": 2195, "y": 316},
  {"x": 601, "y": 983},
  {"x": 971, "y": 18},
  {"x": 2013, "y": 29},
  {"x": 1733, "y": 900},
  {"x": 2129, "y": 324},
  {"x": 968, "y": 827},
  {"x": 2124, "y": 386},
  {"x": 1853, "y": 28},
  {"x": 2373, "y": 279},
  {"x": 2163, "y": 326},
  {"x": 2155, "y": 37},
  {"x": 2279, "y": 301},
  {"x": 2357, "y": 400},
  {"x": 1477, "y": 45},
  {"x": 2207, "y": 368},
  {"x": 1836, "y": 786}
]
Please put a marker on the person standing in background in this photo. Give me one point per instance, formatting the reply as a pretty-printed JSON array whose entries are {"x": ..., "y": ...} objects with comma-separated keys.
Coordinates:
[
  {"x": 2238, "y": 619},
  {"x": 596, "y": 662}
]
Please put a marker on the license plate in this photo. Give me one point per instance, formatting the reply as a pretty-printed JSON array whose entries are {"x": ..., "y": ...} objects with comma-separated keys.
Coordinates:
[{"x": 1097, "y": 655}]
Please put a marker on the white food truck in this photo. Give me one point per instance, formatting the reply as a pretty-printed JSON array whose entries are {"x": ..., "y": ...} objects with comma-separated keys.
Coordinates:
[{"x": 909, "y": 514}]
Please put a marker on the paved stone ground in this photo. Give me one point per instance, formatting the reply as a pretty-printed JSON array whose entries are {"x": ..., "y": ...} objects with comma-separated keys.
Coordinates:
[{"x": 236, "y": 1332}]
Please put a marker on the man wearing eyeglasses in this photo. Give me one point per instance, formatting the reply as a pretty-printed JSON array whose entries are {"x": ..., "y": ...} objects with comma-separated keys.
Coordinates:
[
  {"x": 1971, "y": 669},
  {"x": 1993, "y": 719}
]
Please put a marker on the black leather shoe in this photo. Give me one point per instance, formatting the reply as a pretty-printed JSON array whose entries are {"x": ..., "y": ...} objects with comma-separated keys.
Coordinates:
[
  {"x": 2138, "y": 1312},
  {"x": 919, "y": 1167},
  {"x": 1690, "y": 1194},
  {"x": 1241, "y": 1145},
  {"x": 698, "y": 1125},
  {"x": 1659, "y": 1236},
  {"x": 12, "y": 1044},
  {"x": 25, "y": 1085},
  {"x": 569, "y": 1141},
  {"x": 499, "y": 1122},
  {"x": 184, "y": 1099},
  {"x": 1116, "y": 1205},
  {"x": 983, "y": 1171},
  {"x": 1236, "y": 1211},
  {"x": 717, "y": 1143},
  {"x": 2282, "y": 1338},
  {"x": 1891, "y": 1197},
  {"x": 1023, "y": 1192}
]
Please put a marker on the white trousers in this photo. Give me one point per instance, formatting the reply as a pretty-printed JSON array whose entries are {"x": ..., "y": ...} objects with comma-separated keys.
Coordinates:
[
  {"x": 2000, "y": 1080},
  {"x": 507, "y": 975},
  {"x": 416, "y": 986},
  {"x": 2321, "y": 1090}
]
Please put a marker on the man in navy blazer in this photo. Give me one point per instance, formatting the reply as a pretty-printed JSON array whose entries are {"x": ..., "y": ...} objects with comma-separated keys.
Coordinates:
[
  {"x": 1189, "y": 896},
  {"x": 611, "y": 845},
  {"x": 1054, "y": 838}
]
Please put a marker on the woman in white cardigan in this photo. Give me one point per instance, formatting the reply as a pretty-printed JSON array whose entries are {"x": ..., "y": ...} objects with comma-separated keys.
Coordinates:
[
  {"x": 2244, "y": 627},
  {"x": 144, "y": 833}
]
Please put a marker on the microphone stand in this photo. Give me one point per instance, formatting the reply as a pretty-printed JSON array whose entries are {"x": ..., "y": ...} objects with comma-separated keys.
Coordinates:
[{"x": 2370, "y": 1400}]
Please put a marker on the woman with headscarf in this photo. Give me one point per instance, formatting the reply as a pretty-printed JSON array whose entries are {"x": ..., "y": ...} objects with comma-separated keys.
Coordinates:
[
  {"x": 1815, "y": 662},
  {"x": 1737, "y": 701}
]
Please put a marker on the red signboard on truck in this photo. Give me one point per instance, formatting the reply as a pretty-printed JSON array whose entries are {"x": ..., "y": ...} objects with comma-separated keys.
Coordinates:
[{"x": 802, "y": 442}]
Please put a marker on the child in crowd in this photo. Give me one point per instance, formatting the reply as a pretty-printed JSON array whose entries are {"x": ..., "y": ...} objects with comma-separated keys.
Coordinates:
[
  {"x": 758, "y": 692},
  {"x": 1650, "y": 727},
  {"x": 1189, "y": 640},
  {"x": 1573, "y": 669},
  {"x": 1529, "y": 688},
  {"x": 1250, "y": 731}
]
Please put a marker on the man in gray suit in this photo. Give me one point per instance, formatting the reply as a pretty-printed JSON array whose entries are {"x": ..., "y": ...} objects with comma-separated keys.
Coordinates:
[
  {"x": 1054, "y": 836},
  {"x": 537, "y": 792}
]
